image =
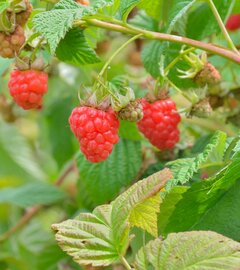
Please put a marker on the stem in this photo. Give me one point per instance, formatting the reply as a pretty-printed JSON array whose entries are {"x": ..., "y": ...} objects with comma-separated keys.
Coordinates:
[
  {"x": 222, "y": 26},
  {"x": 117, "y": 52},
  {"x": 174, "y": 62},
  {"x": 180, "y": 91},
  {"x": 224, "y": 52},
  {"x": 125, "y": 263},
  {"x": 35, "y": 209}
]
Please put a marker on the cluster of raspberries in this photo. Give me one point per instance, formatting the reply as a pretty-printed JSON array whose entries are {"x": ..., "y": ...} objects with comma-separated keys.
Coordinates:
[
  {"x": 97, "y": 130},
  {"x": 11, "y": 43}
]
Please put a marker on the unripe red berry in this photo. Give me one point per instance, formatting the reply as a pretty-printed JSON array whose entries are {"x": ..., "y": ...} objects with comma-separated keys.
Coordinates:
[
  {"x": 96, "y": 131},
  {"x": 27, "y": 87},
  {"x": 159, "y": 123}
]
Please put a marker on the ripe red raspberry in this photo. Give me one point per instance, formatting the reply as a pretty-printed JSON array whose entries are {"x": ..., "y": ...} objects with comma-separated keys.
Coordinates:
[
  {"x": 233, "y": 22},
  {"x": 10, "y": 44},
  {"x": 27, "y": 87},
  {"x": 96, "y": 130},
  {"x": 159, "y": 123}
]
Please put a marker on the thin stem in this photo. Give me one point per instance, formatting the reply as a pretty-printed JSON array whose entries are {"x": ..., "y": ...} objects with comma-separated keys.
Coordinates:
[
  {"x": 117, "y": 52},
  {"x": 175, "y": 60},
  {"x": 222, "y": 26},
  {"x": 125, "y": 263},
  {"x": 226, "y": 53},
  {"x": 35, "y": 209},
  {"x": 180, "y": 91}
]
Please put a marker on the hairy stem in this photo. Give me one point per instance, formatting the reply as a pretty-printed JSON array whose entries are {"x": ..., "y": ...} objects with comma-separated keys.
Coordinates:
[
  {"x": 128, "y": 29},
  {"x": 125, "y": 263},
  {"x": 34, "y": 209},
  {"x": 222, "y": 26}
]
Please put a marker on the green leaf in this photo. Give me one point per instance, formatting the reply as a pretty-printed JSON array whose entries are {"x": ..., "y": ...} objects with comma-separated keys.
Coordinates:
[
  {"x": 138, "y": 203},
  {"x": 18, "y": 151},
  {"x": 4, "y": 5},
  {"x": 144, "y": 215},
  {"x": 74, "y": 49},
  {"x": 199, "y": 199},
  {"x": 184, "y": 169},
  {"x": 178, "y": 10},
  {"x": 54, "y": 24},
  {"x": 201, "y": 21},
  {"x": 224, "y": 216},
  {"x": 101, "y": 182},
  {"x": 125, "y": 8},
  {"x": 88, "y": 238},
  {"x": 191, "y": 250},
  {"x": 152, "y": 7},
  {"x": 31, "y": 194},
  {"x": 129, "y": 131},
  {"x": 151, "y": 55}
]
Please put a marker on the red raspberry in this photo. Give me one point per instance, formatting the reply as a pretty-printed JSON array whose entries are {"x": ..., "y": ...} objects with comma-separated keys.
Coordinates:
[
  {"x": 233, "y": 22},
  {"x": 159, "y": 123},
  {"x": 27, "y": 87},
  {"x": 96, "y": 130}
]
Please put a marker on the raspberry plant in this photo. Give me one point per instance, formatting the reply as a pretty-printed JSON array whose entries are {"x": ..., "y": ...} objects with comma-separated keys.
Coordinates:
[{"x": 119, "y": 134}]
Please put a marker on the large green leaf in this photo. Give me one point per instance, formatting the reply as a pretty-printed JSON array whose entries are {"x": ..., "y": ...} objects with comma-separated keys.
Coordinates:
[
  {"x": 203, "y": 250},
  {"x": 188, "y": 210},
  {"x": 88, "y": 238},
  {"x": 31, "y": 194},
  {"x": 101, "y": 182},
  {"x": 54, "y": 24},
  {"x": 102, "y": 237},
  {"x": 139, "y": 204},
  {"x": 178, "y": 10},
  {"x": 151, "y": 55},
  {"x": 201, "y": 21},
  {"x": 184, "y": 169},
  {"x": 224, "y": 216},
  {"x": 74, "y": 49}
]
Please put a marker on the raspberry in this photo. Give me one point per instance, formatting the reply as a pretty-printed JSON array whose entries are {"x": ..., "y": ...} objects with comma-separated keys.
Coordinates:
[
  {"x": 159, "y": 123},
  {"x": 11, "y": 44},
  {"x": 208, "y": 75},
  {"x": 27, "y": 88},
  {"x": 233, "y": 22},
  {"x": 132, "y": 112},
  {"x": 22, "y": 17},
  {"x": 96, "y": 130}
]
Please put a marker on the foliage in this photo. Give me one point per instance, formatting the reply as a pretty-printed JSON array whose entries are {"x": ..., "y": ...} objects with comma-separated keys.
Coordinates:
[{"x": 143, "y": 208}]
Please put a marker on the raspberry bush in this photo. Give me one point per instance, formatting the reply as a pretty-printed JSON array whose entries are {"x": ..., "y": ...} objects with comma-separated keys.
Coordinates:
[{"x": 119, "y": 134}]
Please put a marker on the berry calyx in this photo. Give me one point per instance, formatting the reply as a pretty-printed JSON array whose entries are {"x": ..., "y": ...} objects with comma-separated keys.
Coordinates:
[
  {"x": 133, "y": 112},
  {"x": 233, "y": 22},
  {"x": 96, "y": 131},
  {"x": 27, "y": 87},
  {"x": 10, "y": 44},
  {"x": 159, "y": 123}
]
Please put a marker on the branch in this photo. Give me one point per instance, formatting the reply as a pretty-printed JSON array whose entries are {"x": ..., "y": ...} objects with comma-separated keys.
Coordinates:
[
  {"x": 34, "y": 209},
  {"x": 129, "y": 29}
]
